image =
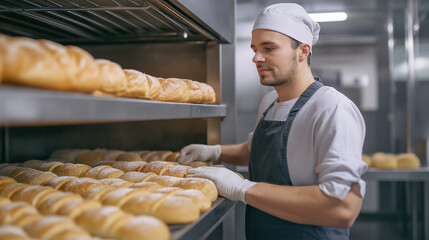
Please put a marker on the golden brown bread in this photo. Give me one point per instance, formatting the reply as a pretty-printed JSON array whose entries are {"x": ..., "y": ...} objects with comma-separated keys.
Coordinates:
[
  {"x": 198, "y": 197},
  {"x": 8, "y": 190},
  {"x": 97, "y": 155},
  {"x": 129, "y": 166},
  {"x": 71, "y": 169},
  {"x": 113, "y": 78},
  {"x": 140, "y": 85},
  {"x": 144, "y": 228},
  {"x": 12, "y": 212},
  {"x": 48, "y": 166},
  {"x": 129, "y": 157},
  {"x": 154, "y": 87},
  {"x": 119, "y": 196},
  {"x": 195, "y": 93},
  {"x": 177, "y": 171},
  {"x": 172, "y": 157},
  {"x": 367, "y": 160},
  {"x": 157, "y": 167},
  {"x": 9, "y": 232},
  {"x": 82, "y": 73},
  {"x": 31, "y": 194},
  {"x": 57, "y": 182},
  {"x": 103, "y": 222},
  {"x": 4, "y": 201},
  {"x": 4, "y": 181},
  {"x": 145, "y": 204},
  {"x": 156, "y": 156},
  {"x": 204, "y": 185},
  {"x": 75, "y": 208},
  {"x": 209, "y": 95},
  {"x": 48, "y": 227},
  {"x": 80, "y": 185},
  {"x": 12, "y": 171},
  {"x": 109, "y": 173},
  {"x": 27, "y": 63},
  {"x": 196, "y": 164},
  {"x": 116, "y": 182},
  {"x": 173, "y": 90},
  {"x": 93, "y": 172},
  {"x": 169, "y": 190},
  {"x": 165, "y": 181},
  {"x": 408, "y": 160},
  {"x": 72, "y": 233},
  {"x": 33, "y": 163},
  {"x": 384, "y": 161},
  {"x": 35, "y": 177},
  {"x": 98, "y": 192},
  {"x": 51, "y": 205},
  {"x": 136, "y": 177},
  {"x": 147, "y": 186},
  {"x": 99, "y": 163}
]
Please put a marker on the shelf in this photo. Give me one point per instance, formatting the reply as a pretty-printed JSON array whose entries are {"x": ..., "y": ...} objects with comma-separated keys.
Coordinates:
[
  {"x": 206, "y": 224},
  {"x": 421, "y": 174},
  {"x": 107, "y": 21},
  {"x": 29, "y": 106}
]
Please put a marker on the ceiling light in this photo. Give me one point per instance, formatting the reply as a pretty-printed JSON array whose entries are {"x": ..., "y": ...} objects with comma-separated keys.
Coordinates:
[{"x": 329, "y": 16}]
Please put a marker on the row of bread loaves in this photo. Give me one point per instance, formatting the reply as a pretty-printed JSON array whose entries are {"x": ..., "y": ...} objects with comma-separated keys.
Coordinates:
[
  {"x": 392, "y": 161},
  {"x": 46, "y": 64}
]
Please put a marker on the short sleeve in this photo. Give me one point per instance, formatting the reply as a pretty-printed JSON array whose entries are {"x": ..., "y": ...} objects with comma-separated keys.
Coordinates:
[{"x": 340, "y": 133}]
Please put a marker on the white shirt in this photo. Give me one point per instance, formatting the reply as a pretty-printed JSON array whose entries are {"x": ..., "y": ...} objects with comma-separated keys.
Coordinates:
[{"x": 325, "y": 141}]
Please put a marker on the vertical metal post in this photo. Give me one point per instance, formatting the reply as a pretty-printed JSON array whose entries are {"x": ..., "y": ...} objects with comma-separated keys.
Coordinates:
[
  {"x": 391, "y": 47},
  {"x": 411, "y": 83}
]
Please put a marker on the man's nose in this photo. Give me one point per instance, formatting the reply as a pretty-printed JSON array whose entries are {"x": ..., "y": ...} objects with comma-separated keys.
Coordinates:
[{"x": 258, "y": 57}]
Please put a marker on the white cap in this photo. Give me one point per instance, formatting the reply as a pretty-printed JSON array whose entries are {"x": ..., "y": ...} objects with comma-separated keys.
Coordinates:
[{"x": 290, "y": 19}]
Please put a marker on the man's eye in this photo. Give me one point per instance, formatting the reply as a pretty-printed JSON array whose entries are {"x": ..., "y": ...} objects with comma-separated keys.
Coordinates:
[{"x": 268, "y": 49}]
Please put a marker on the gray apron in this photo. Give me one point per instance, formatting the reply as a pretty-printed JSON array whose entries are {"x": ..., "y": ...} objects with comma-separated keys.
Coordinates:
[{"x": 268, "y": 163}]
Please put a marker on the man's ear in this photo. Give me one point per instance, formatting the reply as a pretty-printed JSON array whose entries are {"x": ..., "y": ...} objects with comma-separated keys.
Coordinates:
[{"x": 304, "y": 51}]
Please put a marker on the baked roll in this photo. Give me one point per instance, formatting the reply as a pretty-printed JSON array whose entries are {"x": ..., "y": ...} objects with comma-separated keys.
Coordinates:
[
  {"x": 67, "y": 155},
  {"x": 57, "y": 182},
  {"x": 173, "y": 90},
  {"x": 98, "y": 192},
  {"x": 129, "y": 157},
  {"x": 198, "y": 197},
  {"x": 140, "y": 85},
  {"x": 52, "y": 227},
  {"x": 99, "y": 163},
  {"x": 113, "y": 79},
  {"x": 103, "y": 222},
  {"x": 93, "y": 172},
  {"x": 177, "y": 171},
  {"x": 12, "y": 212},
  {"x": 136, "y": 177},
  {"x": 80, "y": 185},
  {"x": 157, "y": 167},
  {"x": 4, "y": 181},
  {"x": 97, "y": 155},
  {"x": 129, "y": 166},
  {"x": 75, "y": 208},
  {"x": 165, "y": 181},
  {"x": 156, "y": 156},
  {"x": 147, "y": 186},
  {"x": 144, "y": 228},
  {"x": 119, "y": 196},
  {"x": 8, "y": 190},
  {"x": 71, "y": 169},
  {"x": 209, "y": 95},
  {"x": 109, "y": 173},
  {"x": 204, "y": 185},
  {"x": 30, "y": 194},
  {"x": 4, "y": 201},
  {"x": 384, "y": 161},
  {"x": 48, "y": 166},
  {"x": 51, "y": 205},
  {"x": 27, "y": 63},
  {"x": 195, "y": 93},
  {"x": 9, "y": 232},
  {"x": 408, "y": 160},
  {"x": 116, "y": 182},
  {"x": 35, "y": 177},
  {"x": 33, "y": 163}
]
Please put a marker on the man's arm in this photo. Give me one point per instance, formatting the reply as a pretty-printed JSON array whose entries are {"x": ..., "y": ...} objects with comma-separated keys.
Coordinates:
[
  {"x": 237, "y": 154},
  {"x": 306, "y": 204}
]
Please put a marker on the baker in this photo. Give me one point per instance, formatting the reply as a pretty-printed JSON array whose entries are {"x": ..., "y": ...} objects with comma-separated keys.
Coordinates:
[{"x": 305, "y": 154}]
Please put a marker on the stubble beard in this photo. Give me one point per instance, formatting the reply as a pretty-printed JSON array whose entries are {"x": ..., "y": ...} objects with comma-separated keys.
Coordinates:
[{"x": 280, "y": 79}]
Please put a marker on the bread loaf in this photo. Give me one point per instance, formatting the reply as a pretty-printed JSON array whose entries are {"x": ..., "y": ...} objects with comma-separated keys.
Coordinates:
[
  {"x": 98, "y": 192},
  {"x": 98, "y": 155},
  {"x": 109, "y": 173},
  {"x": 51, "y": 205},
  {"x": 119, "y": 196},
  {"x": 116, "y": 182},
  {"x": 195, "y": 93},
  {"x": 9, "y": 232},
  {"x": 113, "y": 78},
  {"x": 103, "y": 222},
  {"x": 35, "y": 177},
  {"x": 129, "y": 157},
  {"x": 384, "y": 161},
  {"x": 209, "y": 95},
  {"x": 173, "y": 90},
  {"x": 99, "y": 163},
  {"x": 4, "y": 201},
  {"x": 177, "y": 171},
  {"x": 136, "y": 177},
  {"x": 30, "y": 194},
  {"x": 71, "y": 169},
  {"x": 144, "y": 228},
  {"x": 408, "y": 160},
  {"x": 151, "y": 156},
  {"x": 75, "y": 208},
  {"x": 140, "y": 85},
  {"x": 8, "y": 190},
  {"x": 11, "y": 212},
  {"x": 80, "y": 185},
  {"x": 93, "y": 172},
  {"x": 198, "y": 197},
  {"x": 5, "y": 181},
  {"x": 48, "y": 227},
  {"x": 129, "y": 166},
  {"x": 204, "y": 185},
  {"x": 48, "y": 166},
  {"x": 27, "y": 63},
  {"x": 154, "y": 87},
  {"x": 73, "y": 233},
  {"x": 57, "y": 182},
  {"x": 147, "y": 186},
  {"x": 367, "y": 160},
  {"x": 168, "y": 190},
  {"x": 67, "y": 155},
  {"x": 157, "y": 167},
  {"x": 34, "y": 163},
  {"x": 165, "y": 181}
]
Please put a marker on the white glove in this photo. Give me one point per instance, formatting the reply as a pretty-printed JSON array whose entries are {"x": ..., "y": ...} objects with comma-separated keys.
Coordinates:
[
  {"x": 199, "y": 152},
  {"x": 228, "y": 183}
]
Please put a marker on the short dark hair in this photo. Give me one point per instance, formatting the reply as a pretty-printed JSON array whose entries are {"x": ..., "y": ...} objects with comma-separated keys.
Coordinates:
[{"x": 295, "y": 44}]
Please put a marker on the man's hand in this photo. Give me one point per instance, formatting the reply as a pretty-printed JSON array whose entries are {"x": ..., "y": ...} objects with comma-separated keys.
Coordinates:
[
  {"x": 199, "y": 152},
  {"x": 228, "y": 183}
]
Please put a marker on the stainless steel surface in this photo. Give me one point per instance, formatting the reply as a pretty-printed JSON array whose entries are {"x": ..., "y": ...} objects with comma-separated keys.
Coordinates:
[
  {"x": 103, "y": 21},
  {"x": 206, "y": 224},
  {"x": 216, "y": 15},
  {"x": 22, "y": 106},
  {"x": 421, "y": 174}
]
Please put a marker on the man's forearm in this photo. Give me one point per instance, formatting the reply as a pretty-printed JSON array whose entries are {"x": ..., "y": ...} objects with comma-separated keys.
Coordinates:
[
  {"x": 237, "y": 154},
  {"x": 305, "y": 204}
]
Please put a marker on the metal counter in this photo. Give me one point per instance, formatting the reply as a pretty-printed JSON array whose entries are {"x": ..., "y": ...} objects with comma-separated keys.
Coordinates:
[
  {"x": 206, "y": 224},
  {"x": 411, "y": 176}
]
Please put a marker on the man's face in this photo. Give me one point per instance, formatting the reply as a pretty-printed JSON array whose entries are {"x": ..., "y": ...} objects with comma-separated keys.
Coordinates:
[{"x": 275, "y": 59}]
